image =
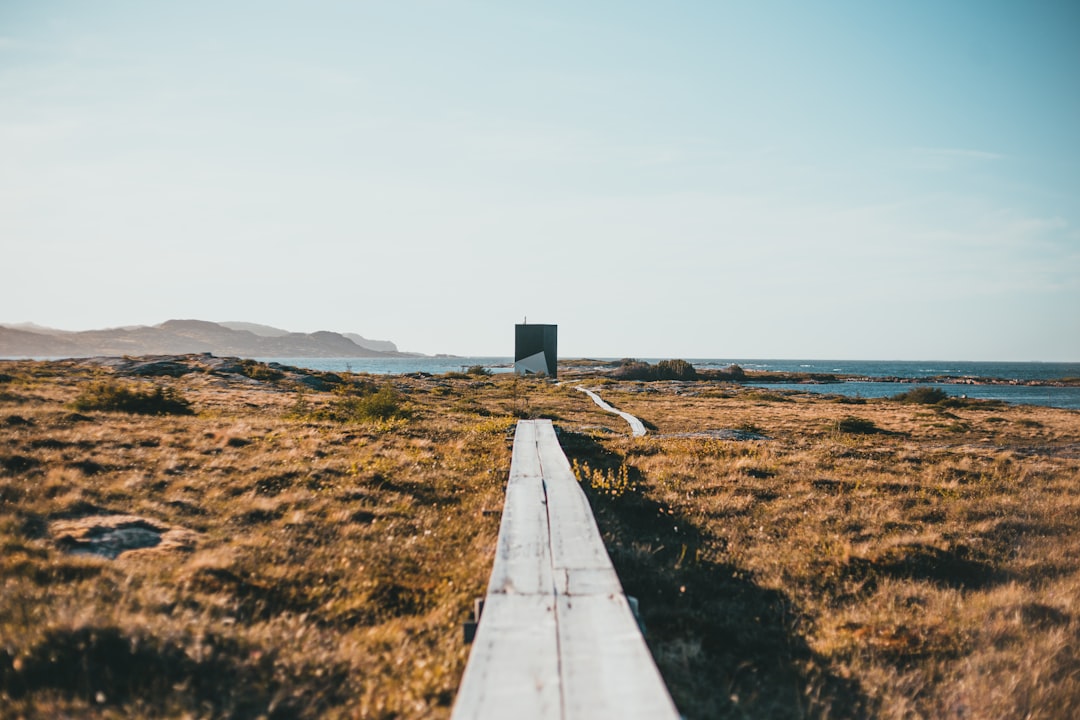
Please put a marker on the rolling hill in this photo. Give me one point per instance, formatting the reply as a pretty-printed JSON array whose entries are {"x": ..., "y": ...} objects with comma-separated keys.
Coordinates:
[{"x": 189, "y": 336}]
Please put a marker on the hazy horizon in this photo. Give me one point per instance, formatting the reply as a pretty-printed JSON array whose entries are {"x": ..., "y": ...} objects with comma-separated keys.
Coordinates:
[
  {"x": 837, "y": 180},
  {"x": 508, "y": 352}
]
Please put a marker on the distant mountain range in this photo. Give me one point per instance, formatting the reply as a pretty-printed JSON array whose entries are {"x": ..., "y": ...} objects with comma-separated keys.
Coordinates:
[{"x": 176, "y": 337}]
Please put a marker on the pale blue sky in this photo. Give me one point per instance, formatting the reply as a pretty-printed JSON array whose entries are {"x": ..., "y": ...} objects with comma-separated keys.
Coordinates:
[{"x": 859, "y": 180}]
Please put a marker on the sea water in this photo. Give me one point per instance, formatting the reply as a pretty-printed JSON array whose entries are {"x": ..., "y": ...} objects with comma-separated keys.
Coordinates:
[
  {"x": 1063, "y": 397},
  {"x": 1060, "y": 397},
  {"x": 1045, "y": 371}
]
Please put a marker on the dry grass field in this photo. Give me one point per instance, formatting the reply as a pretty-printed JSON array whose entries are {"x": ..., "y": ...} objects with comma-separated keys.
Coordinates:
[{"x": 288, "y": 544}]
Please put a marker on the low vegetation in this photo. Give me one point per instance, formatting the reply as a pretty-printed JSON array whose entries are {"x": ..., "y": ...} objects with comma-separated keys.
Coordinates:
[
  {"x": 473, "y": 371},
  {"x": 308, "y": 545},
  {"x": 631, "y": 369},
  {"x": 362, "y": 403},
  {"x": 260, "y": 371},
  {"x": 903, "y": 563},
  {"x": 922, "y": 396},
  {"x": 116, "y": 397},
  {"x": 856, "y": 425}
]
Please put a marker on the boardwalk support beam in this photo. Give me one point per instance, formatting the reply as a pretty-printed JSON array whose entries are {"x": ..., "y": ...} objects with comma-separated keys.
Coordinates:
[{"x": 469, "y": 626}]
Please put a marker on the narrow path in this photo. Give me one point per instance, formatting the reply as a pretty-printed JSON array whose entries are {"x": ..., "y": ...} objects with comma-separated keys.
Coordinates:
[{"x": 637, "y": 428}]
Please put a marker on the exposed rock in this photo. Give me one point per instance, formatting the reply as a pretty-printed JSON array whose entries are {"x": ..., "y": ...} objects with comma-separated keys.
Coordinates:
[
  {"x": 159, "y": 368},
  {"x": 315, "y": 383},
  {"x": 113, "y": 535},
  {"x": 719, "y": 434}
]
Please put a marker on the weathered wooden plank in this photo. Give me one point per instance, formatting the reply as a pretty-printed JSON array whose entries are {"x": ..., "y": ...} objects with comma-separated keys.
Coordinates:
[
  {"x": 525, "y": 460},
  {"x": 523, "y": 553},
  {"x": 607, "y": 670},
  {"x": 586, "y": 581},
  {"x": 576, "y": 543},
  {"x": 513, "y": 669}
]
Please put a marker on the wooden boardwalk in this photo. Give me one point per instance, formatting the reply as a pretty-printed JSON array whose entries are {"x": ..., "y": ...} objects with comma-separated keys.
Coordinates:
[
  {"x": 556, "y": 638},
  {"x": 637, "y": 428}
]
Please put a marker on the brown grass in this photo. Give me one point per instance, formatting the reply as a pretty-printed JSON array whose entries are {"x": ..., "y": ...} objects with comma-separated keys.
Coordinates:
[
  {"x": 922, "y": 563},
  {"x": 863, "y": 560}
]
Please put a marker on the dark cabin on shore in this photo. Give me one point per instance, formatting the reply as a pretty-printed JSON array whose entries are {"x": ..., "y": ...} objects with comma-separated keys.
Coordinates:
[{"x": 535, "y": 349}]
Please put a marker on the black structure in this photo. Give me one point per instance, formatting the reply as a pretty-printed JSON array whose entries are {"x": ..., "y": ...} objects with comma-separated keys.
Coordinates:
[{"x": 536, "y": 349}]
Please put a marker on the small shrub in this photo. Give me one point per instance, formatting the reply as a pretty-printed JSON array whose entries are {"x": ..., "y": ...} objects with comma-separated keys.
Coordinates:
[
  {"x": 663, "y": 370},
  {"x": 473, "y": 371},
  {"x": 301, "y": 408},
  {"x": 113, "y": 397},
  {"x": 675, "y": 370},
  {"x": 382, "y": 405},
  {"x": 358, "y": 405},
  {"x": 354, "y": 387},
  {"x": 259, "y": 371},
  {"x": 634, "y": 370},
  {"x": 922, "y": 396},
  {"x": 856, "y": 425}
]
